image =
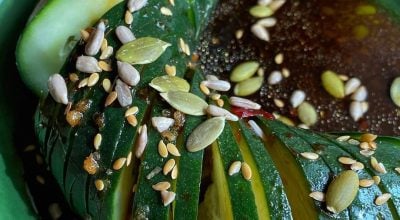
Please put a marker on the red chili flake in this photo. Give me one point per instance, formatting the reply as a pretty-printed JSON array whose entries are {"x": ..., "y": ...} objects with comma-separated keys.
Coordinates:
[{"x": 245, "y": 113}]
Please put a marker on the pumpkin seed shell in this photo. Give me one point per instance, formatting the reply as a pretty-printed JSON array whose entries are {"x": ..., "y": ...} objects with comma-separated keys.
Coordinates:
[
  {"x": 185, "y": 102},
  {"x": 244, "y": 71},
  {"x": 142, "y": 50},
  {"x": 248, "y": 86},
  {"x": 342, "y": 191},
  {"x": 170, "y": 83},
  {"x": 333, "y": 84},
  {"x": 205, "y": 134}
]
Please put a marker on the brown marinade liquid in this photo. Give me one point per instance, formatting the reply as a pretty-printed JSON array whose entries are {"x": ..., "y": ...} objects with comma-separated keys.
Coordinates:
[{"x": 314, "y": 35}]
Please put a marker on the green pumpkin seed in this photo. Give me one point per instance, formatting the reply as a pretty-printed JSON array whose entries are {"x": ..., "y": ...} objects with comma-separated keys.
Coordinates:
[
  {"x": 307, "y": 114},
  {"x": 185, "y": 102},
  {"x": 260, "y": 11},
  {"x": 248, "y": 86},
  {"x": 170, "y": 83},
  {"x": 342, "y": 191},
  {"x": 365, "y": 10},
  {"x": 395, "y": 91},
  {"x": 244, "y": 71},
  {"x": 205, "y": 134},
  {"x": 142, "y": 50},
  {"x": 333, "y": 84}
]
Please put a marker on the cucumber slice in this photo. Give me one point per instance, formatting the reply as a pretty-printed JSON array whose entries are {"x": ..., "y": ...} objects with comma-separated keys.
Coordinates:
[{"x": 51, "y": 35}]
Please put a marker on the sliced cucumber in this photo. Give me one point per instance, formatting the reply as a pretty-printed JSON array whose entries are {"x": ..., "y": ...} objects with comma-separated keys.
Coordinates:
[{"x": 50, "y": 36}]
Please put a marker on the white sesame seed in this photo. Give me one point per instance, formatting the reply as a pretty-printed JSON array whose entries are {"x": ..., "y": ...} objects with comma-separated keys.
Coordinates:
[
  {"x": 279, "y": 58},
  {"x": 279, "y": 103},
  {"x": 343, "y": 138},
  {"x": 382, "y": 199},
  {"x": 93, "y": 79},
  {"x": 239, "y": 34},
  {"x": 119, "y": 163},
  {"x": 97, "y": 141},
  {"x": 128, "y": 18},
  {"x": 174, "y": 172},
  {"x": 166, "y": 11},
  {"x": 366, "y": 183},
  {"x": 285, "y": 72},
  {"x": 318, "y": 196},
  {"x": 234, "y": 168},
  {"x": 162, "y": 149},
  {"x": 161, "y": 186},
  {"x": 110, "y": 98},
  {"x": 246, "y": 171},
  {"x": 131, "y": 111},
  {"x": 173, "y": 150},
  {"x": 105, "y": 54},
  {"x": 310, "y": 155},
  {"x": 169, "y": 165}
]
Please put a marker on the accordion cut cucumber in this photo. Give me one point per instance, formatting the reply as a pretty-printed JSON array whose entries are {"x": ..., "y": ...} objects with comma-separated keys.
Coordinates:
[{"x": 111, "y": 178}]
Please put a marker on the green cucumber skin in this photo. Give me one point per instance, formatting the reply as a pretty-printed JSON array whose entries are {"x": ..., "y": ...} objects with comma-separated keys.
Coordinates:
[
  {"x": 362, "y": 205},
  {"x": 279, "y": 206},
  {"x": 240, "y": 190}
]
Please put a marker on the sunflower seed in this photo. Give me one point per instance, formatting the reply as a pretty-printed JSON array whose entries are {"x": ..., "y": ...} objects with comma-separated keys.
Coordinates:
[
  {"x": 143, "y": 50},
  {"x": 87, "y": 64},
  {"x": 267, "y": 23},
  {"x": 368, "y": 137},
  {"x": 97, "y": 141},
  {"x": 132, "y": 120},
  {"x": 124, "y": 94},
  {"x": 218, "y": 111},
  {"x": 167, "y": 197},
  {"x": 162, "y": 123},
  {"x": 260, "y": 11},
  {"x": 135, "y": 5},
  {"x": 318, "y": 196},
  {"x": 276, "y": 4},
  {"x": 131, "y": 111},
  {"x": 93, "y": 79},
  {"x": 166, "y": 11},
  {"x": 260, "y": 32},
  {"x": 307, "y": 114},
  {"x": 342, "y": 191},
  {"x": 58, "y": 88},
  {"x": 234, "y": 168},
  {"x": 279, "y": 58},
  {"x": 395, "y": 91},
  {"x": 219, "y": 85},
  {"x": 351, "y": 85},
  {"x": 367, "y": 153},
  {"x": 161, "y": 186},
  {"x": 124, "y": 34},
  {"x": 347, "y": 160},
  {"x": 99, "y": 184},
  {"x": 174, "y": 172},
  {"x": 119, "y": 163},
  {"x": 142, "y": 141},
  {"x": 244, "y": 71},
  {"x": 128, "y": 18},
  {"x": 169, "y": 165},
  {"x": 332, "y": 84},
  {"x": 382, "y": 199},
  {"x": 105, "y": 54},
  {"x": 128, "y": 73},
  {"x": 248, "y": 86},
  {"x": 360, "y": 94},
  {"x": 169, "y": 83},
  {"x": 239, "y": 34},
  {"x": 185, "y": 102},
  {"x": 343, "y": 138},
  {"x": 310, "y": 155},
  {"x": 170, "y": 70},
  {"x": 246, "y": 171},
  {"x": 205, "y": 134},
  {"x": 244, "y": 103},
  {"x": 154, "y": 172},
  {"x": 162, "y": 149},
  {"x": 275, "y": 77},
  {"x": 96, "y": 38},
  {"x": 173, "y": 150},
  {"x": 356, "y": 111},
  {"x": 297, "y": 98},
  {"x": 366, "y": 183},
  {"x": 110, "y": 98},
  {"x": 259, "y": 132}
]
